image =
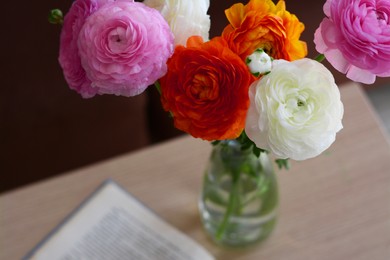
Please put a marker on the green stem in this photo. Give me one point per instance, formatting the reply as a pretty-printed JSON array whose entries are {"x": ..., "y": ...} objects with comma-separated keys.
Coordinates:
[
  {"x": 158, "y": 87},
  {"x": 320, "y": 58},
  {"x": 232, "y": 205},
  {"x": 259, "y": 183}
]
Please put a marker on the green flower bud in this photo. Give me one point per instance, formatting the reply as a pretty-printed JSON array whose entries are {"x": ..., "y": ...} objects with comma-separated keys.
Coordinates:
[{"x": 56, "y": 16}]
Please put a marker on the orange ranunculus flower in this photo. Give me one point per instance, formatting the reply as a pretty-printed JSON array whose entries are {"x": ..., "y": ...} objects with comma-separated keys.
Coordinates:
[
  {"x": 262, "y": 24},
  {"x": 206, "y": 89}
]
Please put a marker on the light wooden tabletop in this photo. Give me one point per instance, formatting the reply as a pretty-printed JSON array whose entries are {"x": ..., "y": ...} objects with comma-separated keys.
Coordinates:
[{"x": 336, "y": 206}]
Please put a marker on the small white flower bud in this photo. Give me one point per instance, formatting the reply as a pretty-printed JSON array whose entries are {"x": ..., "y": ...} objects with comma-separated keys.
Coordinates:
[{"x": 259, "y": 62}]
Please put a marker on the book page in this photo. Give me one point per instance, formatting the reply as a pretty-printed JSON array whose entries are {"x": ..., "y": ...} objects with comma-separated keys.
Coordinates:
[{"x": 114, "y": 225}]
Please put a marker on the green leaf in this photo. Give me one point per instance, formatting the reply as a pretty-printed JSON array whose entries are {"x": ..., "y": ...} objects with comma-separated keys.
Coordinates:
[
  {"x": 283, "y": 163},
  {"x": 215, "y": 142},
  {"x": 256, "y": 150}
]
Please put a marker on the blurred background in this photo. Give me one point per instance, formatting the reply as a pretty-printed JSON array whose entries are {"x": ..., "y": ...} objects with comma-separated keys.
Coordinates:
[{"x": 47, "y": 129}]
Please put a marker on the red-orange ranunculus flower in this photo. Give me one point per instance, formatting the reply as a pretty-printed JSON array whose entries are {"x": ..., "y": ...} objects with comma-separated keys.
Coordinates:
[
  {"x": 206, "y": 89},
  {"x": 262, "y": 24}
]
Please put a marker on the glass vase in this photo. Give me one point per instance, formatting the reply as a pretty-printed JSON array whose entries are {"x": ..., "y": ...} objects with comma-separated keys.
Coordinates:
[{"x": 239, "y": 198}]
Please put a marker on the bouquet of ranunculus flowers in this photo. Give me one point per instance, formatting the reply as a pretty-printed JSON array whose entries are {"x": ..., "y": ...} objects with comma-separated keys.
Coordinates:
[{"x": 252, "y": 83}]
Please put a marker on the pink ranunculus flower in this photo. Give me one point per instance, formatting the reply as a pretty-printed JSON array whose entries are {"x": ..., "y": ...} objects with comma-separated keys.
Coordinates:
[
  {"x": 69, "y": 57},
  {"x": 124, "y": 47},
  {"x": 355, "y": 38}
]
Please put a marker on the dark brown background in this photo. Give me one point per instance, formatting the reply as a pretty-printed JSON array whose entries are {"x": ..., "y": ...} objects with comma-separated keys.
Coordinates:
[{"x": 47, "y": 129}]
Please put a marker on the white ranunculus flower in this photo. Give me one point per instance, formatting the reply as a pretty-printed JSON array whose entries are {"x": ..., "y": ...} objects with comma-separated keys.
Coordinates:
[
  {"x": 295, "y": 111},
  {"x": 185, "y": 17}
]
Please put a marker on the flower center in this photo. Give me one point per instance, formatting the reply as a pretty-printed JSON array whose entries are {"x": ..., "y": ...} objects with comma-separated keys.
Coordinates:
[
  {"x": 117, "y": 40},
  {"x": 203, "y": 87},
  {"x": 381, "y": 15},
  {"x": 297, "y": 108},
  {"x": 301, "y": 103}
]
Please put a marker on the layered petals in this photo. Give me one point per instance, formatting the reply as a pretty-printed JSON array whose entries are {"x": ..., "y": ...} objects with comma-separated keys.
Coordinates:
[
  {"x": 295, "y": 111},
  {"x": 355, "y": 38},
  {"x": 206, "y": 89},
  {"x": 263, "y": 25}
]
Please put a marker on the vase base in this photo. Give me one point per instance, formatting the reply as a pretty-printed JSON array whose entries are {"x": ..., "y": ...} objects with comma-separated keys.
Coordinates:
[{"x": 240, "y": 232}]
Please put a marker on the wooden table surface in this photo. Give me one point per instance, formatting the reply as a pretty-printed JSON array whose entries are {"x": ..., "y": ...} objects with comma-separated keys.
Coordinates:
[{"x": 336, "y": 206}]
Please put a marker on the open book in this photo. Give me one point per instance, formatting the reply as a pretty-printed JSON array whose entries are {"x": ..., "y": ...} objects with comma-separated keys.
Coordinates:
[{"x": 112, "y": 224}]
